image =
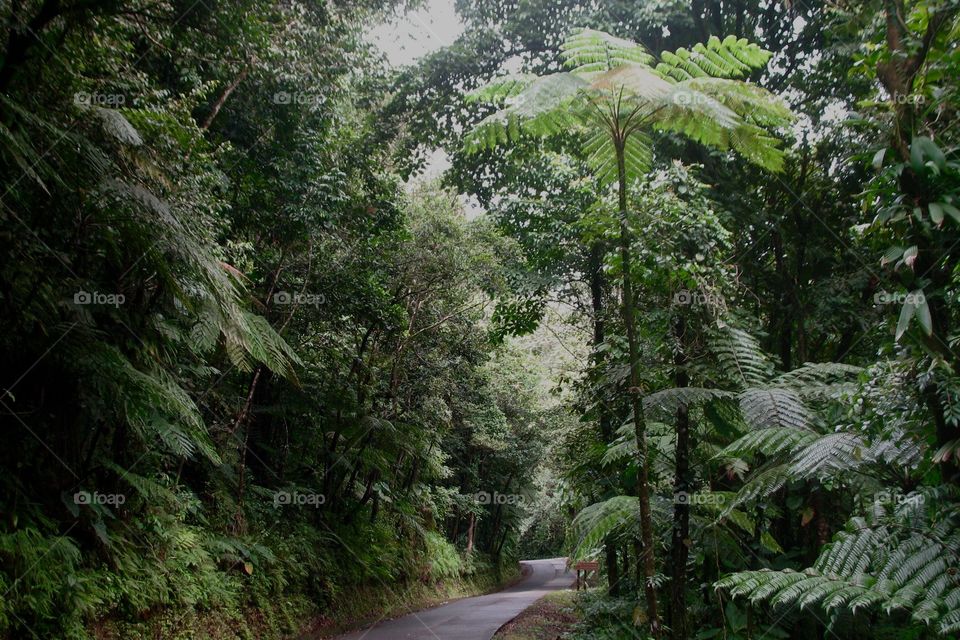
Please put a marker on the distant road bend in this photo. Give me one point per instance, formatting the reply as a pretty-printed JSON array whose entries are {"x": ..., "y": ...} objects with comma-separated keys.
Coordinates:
[{"x": 475, "y": 618}]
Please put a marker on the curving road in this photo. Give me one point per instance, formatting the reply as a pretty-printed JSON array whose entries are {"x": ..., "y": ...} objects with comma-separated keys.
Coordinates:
[{"x": 474, "y": 618}]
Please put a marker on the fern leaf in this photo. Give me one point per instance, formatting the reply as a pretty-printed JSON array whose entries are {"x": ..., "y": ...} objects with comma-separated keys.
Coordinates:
[{"x": 588, "y": 51}]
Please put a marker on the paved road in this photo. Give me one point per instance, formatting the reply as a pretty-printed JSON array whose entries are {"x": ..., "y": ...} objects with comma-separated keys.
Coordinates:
[{"x": 474, "y": 618}]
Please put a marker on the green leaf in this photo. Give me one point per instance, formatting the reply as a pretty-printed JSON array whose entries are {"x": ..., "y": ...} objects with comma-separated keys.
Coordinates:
[
  {"x": 923, "y": 312},
  {"x": 923, "y": 148},
  {"x": 906, "y": 313},
  {"x": 770, "y": 543},
  {"x": 892, "y": 254},
  {"x": 910, "y": 256},
  {"x": 951, "y": 211},
  {"x": 936, "y": 213},
  {"x": 878, "y": 159}
]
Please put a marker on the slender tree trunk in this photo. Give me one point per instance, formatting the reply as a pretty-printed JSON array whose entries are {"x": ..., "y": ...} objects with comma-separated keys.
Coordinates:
[
  {"x": 636, "y": 401},
  {"x": 679, "y": 622},
  {"x": 606, "y": 430},
  {"x": 470, "y": 527}
]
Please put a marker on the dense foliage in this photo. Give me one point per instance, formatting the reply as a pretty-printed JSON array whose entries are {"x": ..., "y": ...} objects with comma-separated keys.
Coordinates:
[
  {"x": 243, "y": 367},
  {"x": 704, "y": 329},
  {"x": 787, "y": 320}
]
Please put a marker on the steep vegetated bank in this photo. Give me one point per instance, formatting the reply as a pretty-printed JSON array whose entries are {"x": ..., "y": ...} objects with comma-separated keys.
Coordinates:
[{"x": 248, "y": 380}]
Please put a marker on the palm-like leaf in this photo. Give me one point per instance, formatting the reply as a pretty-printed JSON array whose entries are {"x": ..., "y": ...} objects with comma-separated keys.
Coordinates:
[{"x": 499, "y": 89}]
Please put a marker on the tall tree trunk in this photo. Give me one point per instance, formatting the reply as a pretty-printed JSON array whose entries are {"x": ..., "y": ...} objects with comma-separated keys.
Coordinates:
[
  {"x": 597, "y": 286},
  {"x": 636, "y": 401},
  {"x": 679, "y": 622},
  {"x": 470, "y": 527}
]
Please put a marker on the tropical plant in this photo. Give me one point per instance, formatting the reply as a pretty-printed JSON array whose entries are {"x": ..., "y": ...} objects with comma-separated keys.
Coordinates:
[{"x": 617, "y": 98}]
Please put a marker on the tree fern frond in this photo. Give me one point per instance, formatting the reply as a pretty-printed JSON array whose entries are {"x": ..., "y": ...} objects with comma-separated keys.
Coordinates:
[
  {"x": 116, "y": 125},
  {"x": 696, "y": 116},
  {"x": 625, "y": 448},
  {"x": 816, "y": 374},
  {"x": 589, "y": 51},
  {"x": 601, "y": 157},
  {"x": 769, "y": 442},
  {"x": 741, "y": 358},
  {"x": 767, "y": 408},
  {"x": 635, "y": 80},
  {"x": 752, "y": 103},
  {"x": 500, "y": 89},
  {"x": 599, "y": 520},
  {"x": 880, "y": 562},
  {"x": 542, "y": 108},
  {"x": 758, "y": 146},
  {"x": 669, "y": 400},
  {"x": 727, "y": 58},
  {"x": 761, "y": 484},
  {"x": 830, "y": 454}
]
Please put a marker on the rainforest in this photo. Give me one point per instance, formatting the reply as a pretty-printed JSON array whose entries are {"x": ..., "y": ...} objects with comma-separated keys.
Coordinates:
[{"x": 473, "y": 319}]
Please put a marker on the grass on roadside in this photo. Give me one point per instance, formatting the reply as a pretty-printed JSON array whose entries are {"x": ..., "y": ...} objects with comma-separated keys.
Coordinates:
[{"x": 553, "y": 616}]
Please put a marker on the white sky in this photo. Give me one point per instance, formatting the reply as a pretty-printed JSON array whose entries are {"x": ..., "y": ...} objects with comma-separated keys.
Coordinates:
[{"x": 410, "y": 36}]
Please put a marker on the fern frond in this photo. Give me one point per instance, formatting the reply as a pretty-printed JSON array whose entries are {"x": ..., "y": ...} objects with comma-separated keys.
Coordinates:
[
  {"x": 829, "y": 455},
  {"x": 727, "y": 58},
  {"x": 669, "y": 400},
  {"x": 601, "y": 157},
  {"x": 769, "y": 442},
  {"x": 588, "y": 51},
  {"x": 500, "y": 89},
  {"x": 634, "y": 80},
  {"x": 901, "y": 558},
  {"x": 599, "y": 520},
  {"x": 761, "y": 484},
  {"x": 767, "y": 408},
  {"x": 740, "y": 357},
  {"x": 624, "y": 448},
  {"x": 752, "y": 103},
  {"x": 543, "y": 108},
  {"x": 816, "y": 378}
]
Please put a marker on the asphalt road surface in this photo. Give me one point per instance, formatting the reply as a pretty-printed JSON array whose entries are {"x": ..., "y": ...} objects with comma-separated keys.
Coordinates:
[{"x": 474, "y": 618}]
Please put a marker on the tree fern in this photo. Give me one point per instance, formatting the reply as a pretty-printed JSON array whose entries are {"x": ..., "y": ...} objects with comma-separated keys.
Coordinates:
[
  {"x": 614, "y": 76},
  {"x": 594, "y": 523},
  {"x": 740, "y": 357},
  {"x": 900, "y": 557},
  {"x": 769, "y": 442}
]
